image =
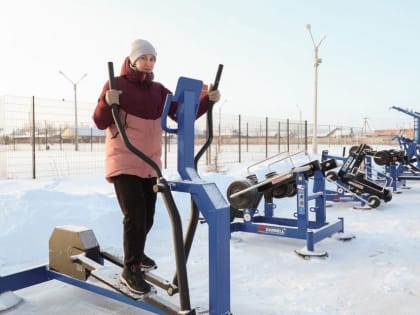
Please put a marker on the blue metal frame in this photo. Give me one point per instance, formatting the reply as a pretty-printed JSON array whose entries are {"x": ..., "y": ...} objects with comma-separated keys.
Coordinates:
[
  {"x": 401, "y": 171},
  {"x": 206, "y": 196},
  {"x": 302, "y": 227},
  {"x": 24, "y": 279},
  {"x": 400, "y": 175},
  {"x": 42, "y": 274}
]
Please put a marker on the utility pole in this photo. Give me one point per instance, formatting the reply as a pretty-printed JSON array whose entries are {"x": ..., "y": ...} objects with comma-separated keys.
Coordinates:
[
  {"x": 366, "y": 126},
  {"x": 317, "y": 62},
  {"x": 74, "y": 84}
]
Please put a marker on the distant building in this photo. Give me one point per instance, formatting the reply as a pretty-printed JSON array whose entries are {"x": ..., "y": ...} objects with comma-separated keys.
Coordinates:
[
  {"x": 409, "y": 133},
  {"x": 84, "y": 134}
]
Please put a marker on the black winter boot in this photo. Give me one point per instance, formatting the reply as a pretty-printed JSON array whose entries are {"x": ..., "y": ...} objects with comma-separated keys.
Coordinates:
[
  {"x": 147, "y": 263},
  {"x": 132, "y": 277}
]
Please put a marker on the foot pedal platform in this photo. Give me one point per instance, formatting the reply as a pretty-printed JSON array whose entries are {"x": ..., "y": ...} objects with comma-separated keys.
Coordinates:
[{"x": 110, "y": 275}]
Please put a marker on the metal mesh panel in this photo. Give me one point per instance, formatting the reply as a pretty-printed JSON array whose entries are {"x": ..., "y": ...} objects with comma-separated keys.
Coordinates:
[{"x": 37, "y": 138}]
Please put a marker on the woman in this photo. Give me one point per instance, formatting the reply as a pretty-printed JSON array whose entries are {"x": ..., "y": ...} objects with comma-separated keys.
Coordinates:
[{"x": 141, "y": 102}]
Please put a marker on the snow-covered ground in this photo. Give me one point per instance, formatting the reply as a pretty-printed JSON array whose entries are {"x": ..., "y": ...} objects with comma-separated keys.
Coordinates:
[{"x": 375, "y": 273}]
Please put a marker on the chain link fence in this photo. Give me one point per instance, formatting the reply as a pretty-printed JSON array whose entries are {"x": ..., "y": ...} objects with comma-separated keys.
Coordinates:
[{"x": 47, "y": 137}]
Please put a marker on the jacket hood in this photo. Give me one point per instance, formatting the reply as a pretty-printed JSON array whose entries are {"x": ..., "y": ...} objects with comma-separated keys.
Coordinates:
[{"x": 139, "y": 77}]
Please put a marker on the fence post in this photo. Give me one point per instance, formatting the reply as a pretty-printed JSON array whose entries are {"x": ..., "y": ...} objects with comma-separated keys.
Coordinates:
[
  {"x": 239, "y": 139},
  {"x": 306, "y": 137},
  {"x": 247, "y": 137},
  {"x": 219, "y": 138},
  {"x": 278, "y": 137},
  {"x": 46, "y": 135},
  {"x": 266, "y": 137},
  {"x": 33, "y": 139},
  {"x": 208, "y": 149},
  {"x": 329, "y": 136},
  {"x": 288, "y": 134},
  {"x": 61, "y": 140},
  {"x": 165, "y": 154},
  {"x": 298, "y": 133}
]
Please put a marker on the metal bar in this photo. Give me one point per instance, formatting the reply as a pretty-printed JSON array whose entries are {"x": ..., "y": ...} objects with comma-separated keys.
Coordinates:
[
  {"x": 274, "y": 180},
  {"x": 24, "y": 279}
]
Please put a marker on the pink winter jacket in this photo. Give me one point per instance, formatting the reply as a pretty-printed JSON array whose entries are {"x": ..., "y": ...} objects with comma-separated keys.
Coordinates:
[{"x": 141, "y": 106}]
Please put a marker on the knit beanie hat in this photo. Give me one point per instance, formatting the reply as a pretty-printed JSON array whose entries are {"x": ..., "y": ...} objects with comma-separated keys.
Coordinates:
[{"x": 139, "y": 48}]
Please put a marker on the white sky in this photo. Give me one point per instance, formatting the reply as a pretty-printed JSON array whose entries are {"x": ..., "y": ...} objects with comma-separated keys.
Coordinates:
[{"x": 370, "y": 55}]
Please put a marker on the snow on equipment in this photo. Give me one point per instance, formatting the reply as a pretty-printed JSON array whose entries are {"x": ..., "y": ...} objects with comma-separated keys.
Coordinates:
[
  {"x": 75, "y": 255},
  {"x": 245, "y": 196},
  {"x": 354, "y": 179}
]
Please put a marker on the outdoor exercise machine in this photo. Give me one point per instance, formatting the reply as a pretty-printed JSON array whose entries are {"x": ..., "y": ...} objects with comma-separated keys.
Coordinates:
[
  {"x": 398, "y": 167},
  {"x": 411, "y": 147},
  {"x": 416, "y": 116},
  {"x": 404, "y": 166},
  {"x": 401, "y": 171},
  {"x": 75, "y": 255},
  {"x": 354, "y": 179},
  {"x": 245, "y": 196}
]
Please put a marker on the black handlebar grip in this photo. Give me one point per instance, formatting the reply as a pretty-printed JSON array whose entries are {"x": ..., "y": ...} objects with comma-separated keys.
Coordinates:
[
  {"x": 111, "y": 75},
  {"x": 217, "y": 78}
]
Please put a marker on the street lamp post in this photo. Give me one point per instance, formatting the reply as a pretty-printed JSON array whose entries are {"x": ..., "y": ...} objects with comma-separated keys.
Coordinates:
[
  {"x": 317, "y": 62},
  {"x": 76, "y": 133}
]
